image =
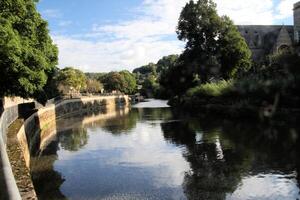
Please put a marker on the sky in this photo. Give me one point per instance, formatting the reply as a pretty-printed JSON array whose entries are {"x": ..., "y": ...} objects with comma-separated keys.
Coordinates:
[{"x": 113, "y": 35}]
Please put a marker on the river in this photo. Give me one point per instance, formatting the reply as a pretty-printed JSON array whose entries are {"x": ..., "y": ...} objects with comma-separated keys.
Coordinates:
[{"x": 152, "y": 152}]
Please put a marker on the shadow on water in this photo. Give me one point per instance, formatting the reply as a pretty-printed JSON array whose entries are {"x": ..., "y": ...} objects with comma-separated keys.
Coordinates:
[{"x": 222, "y": 152}]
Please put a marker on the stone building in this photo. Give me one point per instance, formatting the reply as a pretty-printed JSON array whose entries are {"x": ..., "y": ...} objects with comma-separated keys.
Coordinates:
[{"x": 264, "y": 40}]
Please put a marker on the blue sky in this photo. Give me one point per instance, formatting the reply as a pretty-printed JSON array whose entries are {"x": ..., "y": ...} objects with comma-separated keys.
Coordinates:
[{"x": 105, "y": 35}]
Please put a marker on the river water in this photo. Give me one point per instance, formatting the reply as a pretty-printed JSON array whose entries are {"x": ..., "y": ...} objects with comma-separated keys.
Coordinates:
[{"x": 152, "y": 152}]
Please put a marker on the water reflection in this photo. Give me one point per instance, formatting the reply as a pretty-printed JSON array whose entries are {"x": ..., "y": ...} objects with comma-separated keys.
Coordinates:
[{"x": 154, "y": 153}]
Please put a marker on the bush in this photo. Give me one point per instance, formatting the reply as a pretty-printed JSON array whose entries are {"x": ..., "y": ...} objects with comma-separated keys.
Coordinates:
[{"x": 215, "y": 89}]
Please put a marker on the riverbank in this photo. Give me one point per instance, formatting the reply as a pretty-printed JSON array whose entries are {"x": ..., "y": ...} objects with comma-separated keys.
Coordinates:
[{"x": 237, "y": 110}]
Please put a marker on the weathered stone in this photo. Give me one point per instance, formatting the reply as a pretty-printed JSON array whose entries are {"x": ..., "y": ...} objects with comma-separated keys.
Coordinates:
[{"x": 264, "y": 40}]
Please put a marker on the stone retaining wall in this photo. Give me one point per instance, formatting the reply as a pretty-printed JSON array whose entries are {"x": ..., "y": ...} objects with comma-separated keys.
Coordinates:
[
  {"x": 10, "y": 112},
  {"x": 35, "y": 131}
]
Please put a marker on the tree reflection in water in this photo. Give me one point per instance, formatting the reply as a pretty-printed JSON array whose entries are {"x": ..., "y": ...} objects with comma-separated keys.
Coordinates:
[
  {"x": 73, "y": 139},
  {"x": 221, "y": 153}
]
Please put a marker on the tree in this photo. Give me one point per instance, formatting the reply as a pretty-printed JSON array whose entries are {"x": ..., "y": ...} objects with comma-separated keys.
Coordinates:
[
  {"x": 93, "y": 86},
  {"x": 235, "y": 55},
  {"x": 214, "y": 47},
  {"x": 147, "y": 69},
  {"x": 165, "y": 63},
  {"x": 113, "y": 81},
  {"x": 177, "y": 80},
  {"x": 122, "y": 81},
  {"x": 130, "y": 85},
  {"x": 70, "y": 80},
  {"x": 27, "y": 54},
  {"x": 150, "y": 87}
]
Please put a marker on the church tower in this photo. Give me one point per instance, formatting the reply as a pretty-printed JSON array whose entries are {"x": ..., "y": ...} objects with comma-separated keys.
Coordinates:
[{"x": 297, "y": 23}]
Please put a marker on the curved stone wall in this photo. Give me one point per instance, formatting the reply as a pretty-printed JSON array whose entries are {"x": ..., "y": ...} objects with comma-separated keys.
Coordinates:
[
  {"x": 11, "y": 109},
  {"x": 36, "y": 130}
]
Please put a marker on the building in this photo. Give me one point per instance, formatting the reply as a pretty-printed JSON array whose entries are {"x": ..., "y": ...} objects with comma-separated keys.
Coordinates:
[{"x": 264, "y": 40}]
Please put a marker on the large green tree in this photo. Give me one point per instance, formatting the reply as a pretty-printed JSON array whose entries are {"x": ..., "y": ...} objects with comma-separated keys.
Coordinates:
[
  {"x": 27, "y": 53},
  {"x": 214, "y": 47}
]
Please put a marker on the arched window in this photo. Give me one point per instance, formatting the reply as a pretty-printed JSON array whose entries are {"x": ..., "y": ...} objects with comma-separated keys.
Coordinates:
[{"x": 284, "y": 49}]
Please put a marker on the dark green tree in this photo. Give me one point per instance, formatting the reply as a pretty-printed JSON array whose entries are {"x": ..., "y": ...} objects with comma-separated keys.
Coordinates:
[
  {"x": 113, "y": 81},
  {"x": 150, "y": 87},
  {"x": 177, "y": 80},
  {"x": 165, "y": 63},
  {"x": 214, "y": 47},
  {"x": 235, "y": 56},
  {"x": 27, "y": 53},
  {"x": 147, "y": 69}
]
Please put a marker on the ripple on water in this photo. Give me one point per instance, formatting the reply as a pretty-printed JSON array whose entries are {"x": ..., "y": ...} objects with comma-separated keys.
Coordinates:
[{"x": 267, "y": 187}]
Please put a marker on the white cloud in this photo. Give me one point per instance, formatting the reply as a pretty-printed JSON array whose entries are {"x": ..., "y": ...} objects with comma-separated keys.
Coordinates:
[
  {"x": 284, "y": 9},
  {"x": 65, "y": 23},
  {"x": 132, "y": 43},
  {"x": 116, "y": 55},
  {"x": 51, "y": 13},
  {"x": 247, "y": 12}
]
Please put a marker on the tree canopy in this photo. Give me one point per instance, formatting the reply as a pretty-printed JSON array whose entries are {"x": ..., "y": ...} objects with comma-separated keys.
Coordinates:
[
  {"x": 122, "y": 81},
  {"x": 70, "y": 80},
  {"x": 27, "y": 53},
  {"x": 214, "y": 47},
  {"x": 165, "y": 63},
  {"x": 93, "y": 86}
]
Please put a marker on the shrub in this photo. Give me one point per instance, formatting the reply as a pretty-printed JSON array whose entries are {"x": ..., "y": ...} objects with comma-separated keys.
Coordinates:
[{"x": 215, "y": 89}]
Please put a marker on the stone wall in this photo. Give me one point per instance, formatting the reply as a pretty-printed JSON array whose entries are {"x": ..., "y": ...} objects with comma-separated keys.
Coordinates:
[
  {"x": 9, "y": 113},
  {"x": 36, "y": 130},
  {"x": 261, "y": 39}
]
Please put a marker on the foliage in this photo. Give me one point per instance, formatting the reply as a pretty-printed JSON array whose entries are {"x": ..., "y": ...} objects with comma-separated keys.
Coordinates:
[
  {"x": 177, "y": 80},
  {"x": 147, "y": 69},
  {"x": 214, "y": 47},
  {"x": 93, "y": 86},
  {"x": 214, "y": 89},
  {"x": 165, "y": 63},
  {"x": 70, "y": 80},
  {"x": 130, "y": 84},
  {"x": 235, "y": 56},
  {"x": 122, "y": 81},
  {"x": 150, "y": 76},
  {"x": 27, "y": 54},
  {"x": 150, "y": 87},
  {"x": 95, "y": 76},
  {"x": 276, "y": 84}
]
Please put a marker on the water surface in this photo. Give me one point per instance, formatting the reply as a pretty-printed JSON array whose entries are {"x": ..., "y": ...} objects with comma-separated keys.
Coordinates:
[{"x": 155, "y": 153}]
